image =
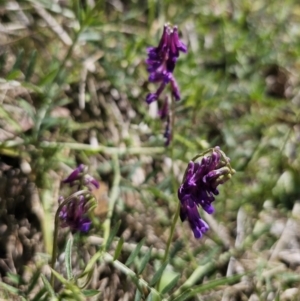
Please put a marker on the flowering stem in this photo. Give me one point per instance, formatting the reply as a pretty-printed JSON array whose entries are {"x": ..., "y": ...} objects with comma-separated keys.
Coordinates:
[
  {"x": 174, "y": 184},
  {"x": 56, "y": 225}
]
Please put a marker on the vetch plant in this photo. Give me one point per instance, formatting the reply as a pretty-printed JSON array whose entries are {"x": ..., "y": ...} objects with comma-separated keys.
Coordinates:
[
  {"x": 199, "y": 187},
  {"x": 73, "y": 211}
]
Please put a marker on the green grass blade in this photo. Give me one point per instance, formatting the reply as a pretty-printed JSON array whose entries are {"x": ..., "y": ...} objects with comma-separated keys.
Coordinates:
[
  {"x": 48, "y": 286},
  {"x": 31, "y": 65},
  {"x": 16, "y": 279},
  {"x": 90, "y": 293},
  {"x": 145, "y": 260},
  {"x": 158, "y": 274},
  {"x": 59, "y": 277},
  {"x": 135, "y": 252},
  {"x": 18, "y": 61},
  {"x": 177, "y": 247},
  {"x": 40, "y": 295},
  {"x": 171, "y": 284},
  {"x": 138, "y": 295},
  {"x": 207, "y": 286},
  {"x": 9, "y": 288},
  {"x": 112, "y": 234},
  {"x": 119, "y": 248},
  {"x": 68, "y": 258},
  {"x": 33, "y": 281}
]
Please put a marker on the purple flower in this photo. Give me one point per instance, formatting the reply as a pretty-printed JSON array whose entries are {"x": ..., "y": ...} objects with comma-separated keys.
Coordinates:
[
  {"x": 74, "y": 211},
  {"x": 77, "y": 176},
  {"x": 198, "y": 225},
  {"x": 162, "y": 60},
  {"x": 74, "y": 175},
  {"x": 199, "y": 188},
  {"x": 91, "y": 183},
  {"x": 75, "y": 215}
]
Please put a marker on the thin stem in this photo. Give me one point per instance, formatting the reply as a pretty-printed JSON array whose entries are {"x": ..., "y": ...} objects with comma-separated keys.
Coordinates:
[
  {"x": 174, "y": 222},
  {"x": 174, "y": 182},
  {"x": 54, "y": 248}
]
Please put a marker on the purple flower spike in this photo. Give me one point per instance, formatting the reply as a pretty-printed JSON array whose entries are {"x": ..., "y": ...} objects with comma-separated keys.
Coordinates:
[
  {"x": 199, "y": 188},
  {"x": 162, "y": 60},
  {"x": 74, "y": 175}
]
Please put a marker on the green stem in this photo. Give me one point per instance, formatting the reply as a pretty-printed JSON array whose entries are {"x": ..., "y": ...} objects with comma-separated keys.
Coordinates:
[
  {"x": 174, "y": 182},
  {"x": 54, "y": 248},
  {"x": 174, "y": 222}
]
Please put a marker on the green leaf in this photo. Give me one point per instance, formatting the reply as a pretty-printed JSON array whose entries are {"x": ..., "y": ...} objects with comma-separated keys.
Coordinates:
[
  {"x": 14, "y": 278},
  {"x": 9, "y": 288},
  {"x": 207, "y": 286},
  {"x": 150, "y": 297},
  {"x": 31, "y": 65},
  {"x": 14, "y": 74},
  {"x": 59, "y": 277},
  {"x": 90, "y": 293},
  {"x": 119, "y": 248},
  {"x": 34, "y": 88},
  {"x": 145, "y": 260},
  {"x": 48, "y": 286},
  {"x": 68, "y": 258},
  {"x": 29, "y": 109},
  {"x": 135, "y": 252},
  {"x": 177, "y": 247},
  {"x": 138, "y": 295},
  {"x": 77, "y": 11},
  {"x": 48, "y": 78},
  {"x": 171, "y": 284},
  {"x": 18, "y": 60},
  {"x": 215, "y": 283},
  {"x": 92, "y": 262},
  {"x": 40, "y": 294},
  {"x": 7, "y": 116},
  {"x": 153, "y": 296},
  {"x": 158, "y": 274},
  {"x": 112, "y": 234},
  {"x": 33, "y": 281}
]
